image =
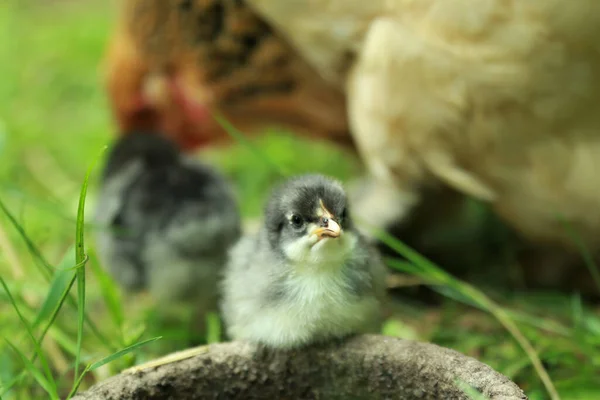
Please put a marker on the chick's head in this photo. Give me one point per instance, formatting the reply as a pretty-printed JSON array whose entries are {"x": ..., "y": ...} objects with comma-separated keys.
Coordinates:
[{"x": 308, "y": 222}]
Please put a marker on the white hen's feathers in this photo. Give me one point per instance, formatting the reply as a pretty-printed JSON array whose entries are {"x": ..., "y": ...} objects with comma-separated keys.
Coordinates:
[{"x": 495, "y": 97}]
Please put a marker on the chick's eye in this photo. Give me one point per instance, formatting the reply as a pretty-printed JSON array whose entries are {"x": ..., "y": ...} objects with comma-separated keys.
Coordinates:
[
  {"x": 296, "y": 221},
  {"x": 344, "y": 214}
]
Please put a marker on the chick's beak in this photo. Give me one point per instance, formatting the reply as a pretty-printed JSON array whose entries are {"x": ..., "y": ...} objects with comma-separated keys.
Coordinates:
[{"x": 328, "y": 228}]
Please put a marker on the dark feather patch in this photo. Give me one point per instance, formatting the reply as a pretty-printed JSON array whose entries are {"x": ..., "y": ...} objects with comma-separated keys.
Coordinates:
[
  {"x": 171, "y": 198},
  {"x": 149, "y": 147},
  {"x": 302, "y": 195}
]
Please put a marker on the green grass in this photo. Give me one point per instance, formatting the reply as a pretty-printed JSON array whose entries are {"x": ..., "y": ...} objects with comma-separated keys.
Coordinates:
[{"x": 54, "y": 121}]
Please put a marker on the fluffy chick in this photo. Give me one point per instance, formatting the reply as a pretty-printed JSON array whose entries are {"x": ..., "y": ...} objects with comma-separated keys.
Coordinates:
[
  {"x": 170, "y": 221},
  {"x": 307, "y": 276}
]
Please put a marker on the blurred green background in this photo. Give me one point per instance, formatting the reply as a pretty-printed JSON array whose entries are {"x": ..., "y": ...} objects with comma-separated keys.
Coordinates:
[{"x": 54, "y": 122}]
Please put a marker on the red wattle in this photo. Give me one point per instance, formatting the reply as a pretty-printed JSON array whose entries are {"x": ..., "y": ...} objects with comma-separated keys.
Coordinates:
[{"x": 196, "y": 112}]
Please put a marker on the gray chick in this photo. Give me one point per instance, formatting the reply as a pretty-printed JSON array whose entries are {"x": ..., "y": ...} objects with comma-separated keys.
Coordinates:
[
  {"x": 307, "y": 276},
  {"x": 171, "y": 221}
]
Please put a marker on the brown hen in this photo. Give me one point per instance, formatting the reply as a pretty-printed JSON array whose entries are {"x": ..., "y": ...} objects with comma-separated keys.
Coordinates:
[
  {"x": 494, "y": 98},
  {"x": 172, "y": 64}
]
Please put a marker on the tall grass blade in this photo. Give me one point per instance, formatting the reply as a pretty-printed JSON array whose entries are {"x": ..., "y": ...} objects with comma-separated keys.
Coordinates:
[
  {"x": 106, "y": 360},
  {"x": 64, "y": 340},
  {"x": 53, "y": 316},
  {"x": 80, "y": 257},
  {"x": 121, "y": 353},
  {"x": 77, "y": 383},
  {"x": 110, "y": 292},
  {"x": 432, "y": 273},
  {"x": 92, "y": 326},
  {"x": 80, "y": 315},
  {"x": 59, "y": 305},
  {"x": 451, "y": 293},
  {"x": 36, "y": 344},
  {"x": 588, "y": 259},
  {"x": 59, "y": 283},
  {"x": 240, "y": 137},
  {"x": 50, "y": 206},
  {"x": 213, "y": 328},
  {"x": 470, "y": 391},
  {"x": 39, "y": 377},
  {"x": 47, "y": 273},
  {"x": 45, "y": 269}
]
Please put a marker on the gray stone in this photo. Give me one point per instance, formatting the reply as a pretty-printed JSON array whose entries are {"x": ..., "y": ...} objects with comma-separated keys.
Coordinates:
[{"x": 362, "y": 367}]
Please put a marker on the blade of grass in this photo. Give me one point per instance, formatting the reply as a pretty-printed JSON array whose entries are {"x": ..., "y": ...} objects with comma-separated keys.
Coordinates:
[
  {"x": 540, "y": 323},
  {"x": 61, "y": 280},
  {"x": 77, "y": 382},
  {"x": 80, "y": 316},
  {"x": 108, "y": 359},
  {"x": 577, "y": 308},
  {"x": 36, "y": 344},
  {"x": 58, "y": 307},
  {"x": 213, "y": 328},
  {"x": 240, "y": 137},
  {"x": 61, "y": 301},
  {"x": 58, "y": 335},
  {"x": 64, "y": 340},
  {"x": 80, "y": 257},
  {"x": 50, "y": 206},
  {"x": 7, "y": 387},
  {"x": 110, "y": 293},
  {"x": 433, "y": 273},
  {"x": 588, "y": 260},
  {"x": 451, "y": 293},
  {"x": 7, "y": 366},
  {"x": 91, "y": 325},
  {"x": 121, "y": 353},
  {"x": 39, "y": 377},
  {"x": 66, "y": 296},
  {"x": 470, "y": 391},
  {"x": 41, "y": 262},
  {"x": 500, "y": 314},
  {"x": 48, "y": 276}
]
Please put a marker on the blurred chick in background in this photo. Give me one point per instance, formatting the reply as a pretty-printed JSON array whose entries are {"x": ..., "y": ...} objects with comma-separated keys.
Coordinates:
[
  {"x": 493, "y": 99},
  {"x": 308, "y": 275},
  {"x": 168, "y": 222}
]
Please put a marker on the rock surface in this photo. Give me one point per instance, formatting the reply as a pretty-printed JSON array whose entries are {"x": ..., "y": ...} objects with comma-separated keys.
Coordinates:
[{"x": 363, "y": 367}]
